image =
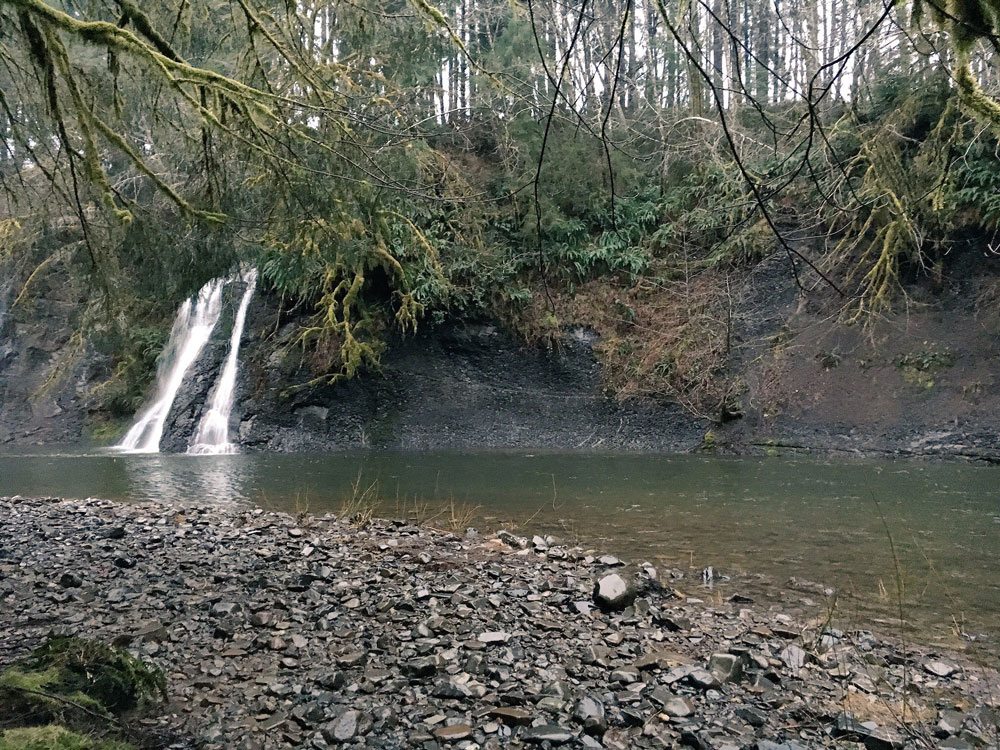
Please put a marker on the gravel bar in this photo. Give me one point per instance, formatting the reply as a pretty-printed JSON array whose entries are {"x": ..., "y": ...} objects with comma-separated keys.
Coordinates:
[{"x": 278, "y": 631}]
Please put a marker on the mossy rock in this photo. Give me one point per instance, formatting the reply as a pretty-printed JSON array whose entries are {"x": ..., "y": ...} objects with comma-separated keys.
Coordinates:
[
  {"x": 75, "y": 681},
  {"x": 52, "y": 737},
  {"x": 32, "y": 696},
  {"x": 105, "y": 430}
]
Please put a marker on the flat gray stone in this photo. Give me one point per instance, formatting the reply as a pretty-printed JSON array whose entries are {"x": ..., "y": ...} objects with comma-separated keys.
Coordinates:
[
  {"x": 678, "y": 707},
  {"x": 547, "y": 733},
  {"x": 454, "y": 732},
  {"x": 343, "y": 728},
  {"x": 589, "y": 711},
  {"x": 793, "y": 657},
  {"x": 940, "y": 668},
  {"x": 497, "y": 636},
  {"x": 726, "y": 667}
]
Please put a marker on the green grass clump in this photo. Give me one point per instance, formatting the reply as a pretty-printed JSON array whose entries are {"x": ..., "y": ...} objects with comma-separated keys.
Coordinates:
[
  {"x": 110, "y": 676},
  {"x": 53, "y": 737},
  {"x": 77, "y": 684},
  {"x": 41, "y": 695}
]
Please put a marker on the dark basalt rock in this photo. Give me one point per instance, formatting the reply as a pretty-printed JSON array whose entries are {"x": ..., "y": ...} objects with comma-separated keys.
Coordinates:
[{"x": 450, "y": 386}]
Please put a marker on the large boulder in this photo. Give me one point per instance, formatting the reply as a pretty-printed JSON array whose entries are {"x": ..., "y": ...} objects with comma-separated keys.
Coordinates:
[{"x": 614, "y": 592}]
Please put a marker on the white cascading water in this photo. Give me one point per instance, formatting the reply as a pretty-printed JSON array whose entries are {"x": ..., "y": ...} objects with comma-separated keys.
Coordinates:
[
  {"x": 192, "y": 329},
  {"x": 212, "y": 436}
]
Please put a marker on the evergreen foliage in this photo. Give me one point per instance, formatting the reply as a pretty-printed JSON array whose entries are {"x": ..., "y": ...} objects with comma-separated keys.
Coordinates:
[
  {"x": 54, "y": 737},
  {"x": 384, "y": 164},
  {"x": 71, "y": 694}
]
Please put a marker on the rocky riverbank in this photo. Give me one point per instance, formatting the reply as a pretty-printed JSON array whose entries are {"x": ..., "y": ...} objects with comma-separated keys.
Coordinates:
[{"x": 277, "y": 631}]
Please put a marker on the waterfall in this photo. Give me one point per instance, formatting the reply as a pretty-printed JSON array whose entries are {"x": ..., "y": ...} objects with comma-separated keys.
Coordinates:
[
  {"x": 192, "y": 328},
  {"x": 212, "y": 436}
]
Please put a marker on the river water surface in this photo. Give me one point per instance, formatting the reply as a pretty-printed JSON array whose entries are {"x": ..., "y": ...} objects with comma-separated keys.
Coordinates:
[{"x": 761, "y": 520}]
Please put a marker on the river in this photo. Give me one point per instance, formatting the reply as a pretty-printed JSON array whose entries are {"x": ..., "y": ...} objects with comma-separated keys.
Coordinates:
[{"x": 761, "y": 521}]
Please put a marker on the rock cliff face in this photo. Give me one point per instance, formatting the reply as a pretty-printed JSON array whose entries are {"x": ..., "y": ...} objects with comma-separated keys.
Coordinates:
[
  {"x": 453, "y": 386},
  {"x": 193, "y": 398},
  {"x": 925, "y": 381},
  {"x": 457, "y": 386},
  {"x": 45, "y": 370}
]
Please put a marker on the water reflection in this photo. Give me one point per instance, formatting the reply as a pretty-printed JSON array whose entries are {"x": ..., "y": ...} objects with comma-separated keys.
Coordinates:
[{"x": 195, "y": 479}]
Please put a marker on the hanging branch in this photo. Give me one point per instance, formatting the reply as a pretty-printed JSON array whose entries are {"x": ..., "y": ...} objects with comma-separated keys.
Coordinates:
[
  {"x": 541, "y": 155},
  {"x": 752, "y": 184}
]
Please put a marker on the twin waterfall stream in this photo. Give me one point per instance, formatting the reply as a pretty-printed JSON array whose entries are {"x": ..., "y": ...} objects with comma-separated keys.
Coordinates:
[{"x": 196, "y": 320}]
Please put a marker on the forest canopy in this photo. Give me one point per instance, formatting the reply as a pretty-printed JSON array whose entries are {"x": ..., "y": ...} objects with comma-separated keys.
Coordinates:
[{"x": 386, "y": 162}]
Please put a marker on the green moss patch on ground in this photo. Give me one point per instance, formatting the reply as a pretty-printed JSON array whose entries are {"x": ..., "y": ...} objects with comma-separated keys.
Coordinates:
[
  {"x": 70, "y": 685},
  {"x": 52, "y": 737}
]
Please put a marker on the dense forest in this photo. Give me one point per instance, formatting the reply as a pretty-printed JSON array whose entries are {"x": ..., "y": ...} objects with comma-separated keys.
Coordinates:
[{"x": 387, "y": 165}]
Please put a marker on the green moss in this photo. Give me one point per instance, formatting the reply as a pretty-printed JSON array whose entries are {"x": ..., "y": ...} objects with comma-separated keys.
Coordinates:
[
  {"x": 41, "y": 695},
  {"x": 105, "y": 430},
  {"x": 112, "y": 677},
  {"x": 919, "y": 368},
  {"x": 76, "y": 682},
  {"x": 15, "y": 679},
  {"x": 53, "y": 737}
]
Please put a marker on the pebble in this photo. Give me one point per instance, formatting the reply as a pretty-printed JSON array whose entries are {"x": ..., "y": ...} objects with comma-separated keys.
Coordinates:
[
  {"x": 547, "y": 733},
  {"x": 399, "y": 636},
  {"x": 453, "y": 732}
]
